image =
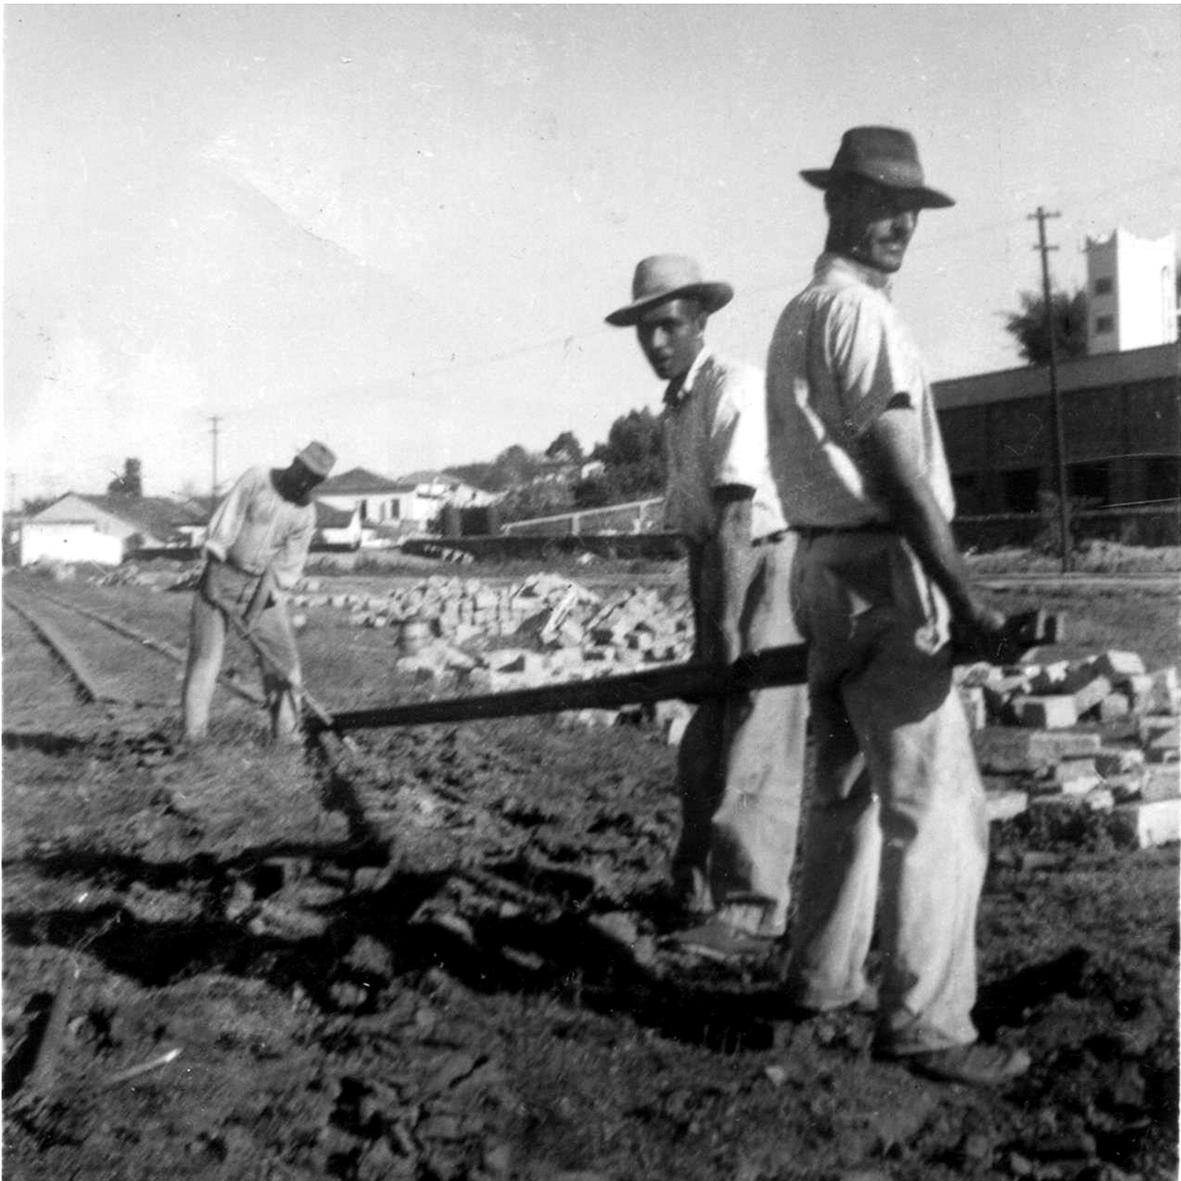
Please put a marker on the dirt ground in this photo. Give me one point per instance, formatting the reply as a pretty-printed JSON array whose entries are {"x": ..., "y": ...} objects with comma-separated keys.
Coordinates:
[{"x": 440, "y": 960}]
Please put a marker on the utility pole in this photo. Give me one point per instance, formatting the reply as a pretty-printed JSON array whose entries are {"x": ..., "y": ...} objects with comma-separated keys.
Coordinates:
[
  {"x": 1057, "y": 436},
  {"x": 213, "y": 489}
]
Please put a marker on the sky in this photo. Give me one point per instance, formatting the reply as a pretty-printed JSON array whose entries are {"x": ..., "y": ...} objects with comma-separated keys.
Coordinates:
[{"x": 397, "y": 228}]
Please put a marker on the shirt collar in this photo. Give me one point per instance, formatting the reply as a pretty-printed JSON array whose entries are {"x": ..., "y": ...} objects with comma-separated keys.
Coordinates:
[
  {"x": 829, "y": 263},
  {"x": 677, "y": 392}
]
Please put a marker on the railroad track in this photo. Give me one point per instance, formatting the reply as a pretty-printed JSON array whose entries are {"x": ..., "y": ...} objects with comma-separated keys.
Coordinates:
[{"x": 90, "y": 682}]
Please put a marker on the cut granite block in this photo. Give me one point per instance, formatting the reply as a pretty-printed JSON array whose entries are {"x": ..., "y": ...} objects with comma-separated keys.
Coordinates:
[
  {"x": 1008, "y": 750},
  {"x": 1118, "y": 760},
  {"x": 1005, "y": 803},
  {"x": 1160, "y": 783},
  {"x": 1091, "y": 694},
  {"x": 1045, "y": 713},
  {"x": 1113, "y": 707},
  {"x": 1147, "y": 825},
  {"x": 1118, "y": 666}
]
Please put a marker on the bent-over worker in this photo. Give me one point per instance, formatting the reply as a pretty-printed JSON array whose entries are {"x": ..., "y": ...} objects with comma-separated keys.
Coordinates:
[{"x": 256, "y": 548}]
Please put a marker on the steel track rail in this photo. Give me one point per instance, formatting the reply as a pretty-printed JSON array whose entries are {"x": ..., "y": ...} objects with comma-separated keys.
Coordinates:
[
  {"x": 154, "y": 644},
  {"x": 88, "y": 682}
]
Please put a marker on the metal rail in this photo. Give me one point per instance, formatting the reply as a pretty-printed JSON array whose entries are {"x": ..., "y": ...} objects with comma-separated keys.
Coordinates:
[
  {"x": 85, "y": 678},
  {"x": 154, "y": 644}
]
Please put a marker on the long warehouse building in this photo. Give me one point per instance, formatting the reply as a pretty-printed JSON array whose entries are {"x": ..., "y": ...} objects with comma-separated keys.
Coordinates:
[{"x": 1121, "y": 427}]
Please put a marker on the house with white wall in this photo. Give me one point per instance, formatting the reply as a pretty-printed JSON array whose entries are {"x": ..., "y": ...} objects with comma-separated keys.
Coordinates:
[
  {"x": 104, "y": 529},
  {"x": 406, "y": 505}
]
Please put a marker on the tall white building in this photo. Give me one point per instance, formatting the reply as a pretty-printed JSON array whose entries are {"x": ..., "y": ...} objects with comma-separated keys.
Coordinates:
[{"x": 1131, "y": 292}]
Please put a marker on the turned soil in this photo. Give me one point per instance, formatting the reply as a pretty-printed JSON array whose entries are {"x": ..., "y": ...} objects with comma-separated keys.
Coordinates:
[{"x": 438, "y": 957}]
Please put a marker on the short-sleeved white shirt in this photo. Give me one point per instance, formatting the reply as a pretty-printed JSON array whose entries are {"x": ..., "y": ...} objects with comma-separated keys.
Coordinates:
[
  {"x": 839, "y": 356},
  {"x": 715, "y": 433}
]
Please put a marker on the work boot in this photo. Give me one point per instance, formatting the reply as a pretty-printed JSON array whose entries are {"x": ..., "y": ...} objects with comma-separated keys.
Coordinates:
[
  {"x": 718, "y": 941},
  {"x": 975, "y": 1065}
]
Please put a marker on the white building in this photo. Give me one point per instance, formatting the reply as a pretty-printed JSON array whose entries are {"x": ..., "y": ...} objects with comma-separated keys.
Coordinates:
[
  {"x": 81, "y": 528},
  {"x": 392, "y": 508},
  {"x": 1131, "y": 292}
]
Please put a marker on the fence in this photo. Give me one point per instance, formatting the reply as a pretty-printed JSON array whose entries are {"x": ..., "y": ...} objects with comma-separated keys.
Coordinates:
[{"x": 636, "y": 516}]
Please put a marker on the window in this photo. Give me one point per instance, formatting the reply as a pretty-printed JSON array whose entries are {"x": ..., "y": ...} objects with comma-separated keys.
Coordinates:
[
  {"x": 1021, "y": 488},
  {"x": 1162, "y": 477},
  {"x": 1090, "y": 481},
  {"x": 1104, "y": 324},
  {"x": 1104, "y": 285}
]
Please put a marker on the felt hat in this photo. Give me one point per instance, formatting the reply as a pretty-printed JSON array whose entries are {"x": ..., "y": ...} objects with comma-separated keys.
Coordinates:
[
  {"x": 317, "y": 458},
  {"x": 662, "y": 277},
  {"x": 886, "y": 155}
]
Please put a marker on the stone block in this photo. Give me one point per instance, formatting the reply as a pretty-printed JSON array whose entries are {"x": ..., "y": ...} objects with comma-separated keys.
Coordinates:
[
  {"x": 1164, "y": 694},
  {"x": 1050, "y": 678},
  {"x": 980, "y": 673},
  {"x": 1126, "y": 786},
  {"x": 1099, "y": 799},
  {"x": 1163, "y": 744},
  {"x": 675, "y": 729},
  {"x": 1146, "y": 825},
  {"x": 1045, "y": 713},
  {"x": 1005, "y": 803},
  {"x": 1160, "y": 783},
  {"x": 1075, "y": 776},
  {"x": 1118, "y": 760},
  {"x": 1139, "y": 691},
  {"x": 1118, "y": 666},
  {"x": 1006, "y": 750},
  {"x": 1113, "y": 707},
  {"x": 1087, "y": 697}
]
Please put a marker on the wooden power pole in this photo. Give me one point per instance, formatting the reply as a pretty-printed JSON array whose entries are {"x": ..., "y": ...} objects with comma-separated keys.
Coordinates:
[
  {"x": 1057, "y": 436},
  {"x": 213, "y": 488}
]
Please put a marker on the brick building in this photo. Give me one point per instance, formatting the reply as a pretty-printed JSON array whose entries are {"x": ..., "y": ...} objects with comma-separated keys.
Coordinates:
[{"x": 1120, "y": 423}]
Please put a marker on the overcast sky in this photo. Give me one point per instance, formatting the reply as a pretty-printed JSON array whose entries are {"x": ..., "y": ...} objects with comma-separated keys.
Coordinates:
[{"x": 398, "y": 228}]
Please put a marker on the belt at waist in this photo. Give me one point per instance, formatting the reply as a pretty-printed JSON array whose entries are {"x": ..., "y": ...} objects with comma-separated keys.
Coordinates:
[
  {"x": 811, "y": 532},
  {"x": 769, "y": 538}
]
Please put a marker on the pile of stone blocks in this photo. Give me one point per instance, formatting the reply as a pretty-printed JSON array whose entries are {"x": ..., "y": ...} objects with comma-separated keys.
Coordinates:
[
  {"x": 1098, "y": 734},
  {"x": 545, "y": 614}
]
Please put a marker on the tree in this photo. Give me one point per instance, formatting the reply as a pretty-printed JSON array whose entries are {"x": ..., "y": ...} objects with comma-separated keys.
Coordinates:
[
  {"x": 130, "y": 483},
  {"x": 32, "y": 505},
  {"x": 633, "y": 455},
  {"x": 565, "y": 447},
  {"x": 1028, "y": 326}
]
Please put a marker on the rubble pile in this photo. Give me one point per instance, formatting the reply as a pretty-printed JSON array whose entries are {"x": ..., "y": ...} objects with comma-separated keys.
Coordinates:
[
  {"x": 556, "y": 630},
  {"x": 1098, "y": 735}
]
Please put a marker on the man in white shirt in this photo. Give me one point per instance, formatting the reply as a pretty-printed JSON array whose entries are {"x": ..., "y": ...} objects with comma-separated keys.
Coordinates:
[
  {"x": 740, "y": 764},
  {"x": 897, "y": 819},
  {"x": 256, "y": 547}
]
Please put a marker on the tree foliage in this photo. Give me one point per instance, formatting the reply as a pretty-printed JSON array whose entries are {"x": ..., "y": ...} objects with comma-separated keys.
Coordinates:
[
  {"x": 565, "y": 447},
  {"x": 1028, "y": 326},
  {"x": 633, "y": 456},
  {"x": 130, "y": 483}
]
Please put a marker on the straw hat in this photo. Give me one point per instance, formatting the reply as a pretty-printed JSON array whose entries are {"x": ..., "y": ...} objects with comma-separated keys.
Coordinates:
[{"x": 662, "y": 277}]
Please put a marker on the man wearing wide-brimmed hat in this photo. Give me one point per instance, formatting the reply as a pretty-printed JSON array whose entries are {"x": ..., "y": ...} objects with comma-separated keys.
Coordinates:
[
  {"x": 897, "y": 818},
  {"x": 255, "y": 548},
  {"x": 740, "y": 764}
]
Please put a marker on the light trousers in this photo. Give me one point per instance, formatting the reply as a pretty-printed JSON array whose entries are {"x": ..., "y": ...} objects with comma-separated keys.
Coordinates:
[
  {"x": 897, "y": 819},
  {"x": 740, "y": 774},
  {"x": 207, "y": 637}
]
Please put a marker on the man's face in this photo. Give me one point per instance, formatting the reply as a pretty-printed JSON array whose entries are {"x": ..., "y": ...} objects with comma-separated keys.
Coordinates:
[
  {"x": 302, "y": 479},
  {"x": 671, "y": 335},
  {"x": 873, "y": 224}
]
